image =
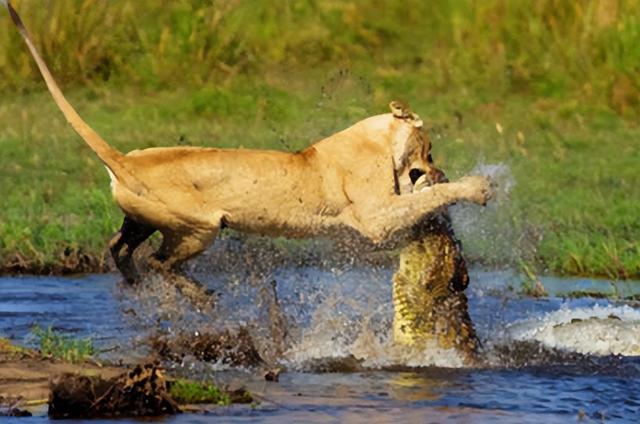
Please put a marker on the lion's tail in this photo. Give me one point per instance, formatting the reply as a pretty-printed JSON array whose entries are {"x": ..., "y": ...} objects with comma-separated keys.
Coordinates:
[{"x": 107, "y": 154}]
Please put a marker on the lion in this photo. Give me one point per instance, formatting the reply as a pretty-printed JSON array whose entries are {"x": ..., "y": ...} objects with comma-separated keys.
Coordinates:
[{"x": 348, "y": 184}]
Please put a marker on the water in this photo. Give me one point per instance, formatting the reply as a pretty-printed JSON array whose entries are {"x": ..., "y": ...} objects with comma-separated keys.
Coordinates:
[{"x": 547, "y": 360}]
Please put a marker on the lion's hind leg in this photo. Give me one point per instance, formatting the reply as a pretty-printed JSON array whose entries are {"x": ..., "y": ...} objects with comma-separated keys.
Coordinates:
[
  {"x": 125, "y": 242},
  {"x": 179, "y": 245}
]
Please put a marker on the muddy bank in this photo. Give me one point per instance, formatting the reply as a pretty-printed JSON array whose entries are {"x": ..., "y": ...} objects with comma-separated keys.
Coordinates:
[
  {"x": 140, "y": 392},
  {"x": 25, "y": 375},
  {"x": 229, "y": 252},
  {"x": 69, "y": 261},
  {"x": 29, "y": 381}
]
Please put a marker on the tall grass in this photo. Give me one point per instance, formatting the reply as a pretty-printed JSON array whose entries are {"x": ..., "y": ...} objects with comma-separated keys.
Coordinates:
[{"x": 583, "y": 48}]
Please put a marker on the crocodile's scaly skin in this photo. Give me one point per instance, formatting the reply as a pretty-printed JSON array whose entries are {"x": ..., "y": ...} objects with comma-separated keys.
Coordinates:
[{"x": 428, "y": 291}]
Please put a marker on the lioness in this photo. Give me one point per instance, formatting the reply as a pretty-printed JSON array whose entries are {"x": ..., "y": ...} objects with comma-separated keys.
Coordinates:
[{"x": 349, "y": 182}]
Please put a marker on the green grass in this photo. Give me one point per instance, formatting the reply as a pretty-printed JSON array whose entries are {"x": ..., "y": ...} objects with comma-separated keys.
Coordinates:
[
  {"x": 560, "y": 78},
  {"x": 547, "y": 49},
  {"x": 190, "y": 392},
  {"x": 10, "y": 350},
  {"x": 52, "y": 344}
]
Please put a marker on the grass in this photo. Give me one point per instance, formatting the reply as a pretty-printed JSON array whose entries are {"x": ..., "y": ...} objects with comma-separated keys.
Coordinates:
[
  {"x": 9, "y": 350},
  {"x": 52, "y": 344},
  {"x": 552, "y": 48},
  {"x": 552, "y": 91},
  {"x": 190, "y": 392}
]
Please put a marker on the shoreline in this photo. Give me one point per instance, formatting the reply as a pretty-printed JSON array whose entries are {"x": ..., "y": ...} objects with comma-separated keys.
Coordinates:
[
  {"x": 32, "y": 384},
  {"x": 73, "y": 263},
  {"x": 78, "y": 262}
]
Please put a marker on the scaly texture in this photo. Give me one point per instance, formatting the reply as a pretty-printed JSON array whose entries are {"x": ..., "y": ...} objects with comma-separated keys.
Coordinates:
[{"x": 428, "y": 291}]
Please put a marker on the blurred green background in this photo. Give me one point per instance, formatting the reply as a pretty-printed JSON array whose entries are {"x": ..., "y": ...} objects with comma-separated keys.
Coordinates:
[{"x": 550, "y": 90}]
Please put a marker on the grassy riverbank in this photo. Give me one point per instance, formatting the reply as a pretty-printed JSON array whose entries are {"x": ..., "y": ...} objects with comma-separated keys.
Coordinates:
[{"x": 550, "y": 92}]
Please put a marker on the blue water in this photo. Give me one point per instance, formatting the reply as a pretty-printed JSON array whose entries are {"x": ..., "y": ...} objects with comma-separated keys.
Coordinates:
[{"x": 560, "y": 389}]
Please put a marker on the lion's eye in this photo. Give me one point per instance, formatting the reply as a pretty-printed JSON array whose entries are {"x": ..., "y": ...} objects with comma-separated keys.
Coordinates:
[{"x": 429, "y": 158}]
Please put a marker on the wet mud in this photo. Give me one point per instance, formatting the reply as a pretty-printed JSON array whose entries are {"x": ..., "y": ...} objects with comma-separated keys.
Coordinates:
[{"x": 234, "y": 348}]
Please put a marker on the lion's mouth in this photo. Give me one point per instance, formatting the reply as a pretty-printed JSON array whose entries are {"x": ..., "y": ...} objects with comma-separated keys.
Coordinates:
[
  {"x": 421, "y": 179},
  {"x": 415, "y": 174}
]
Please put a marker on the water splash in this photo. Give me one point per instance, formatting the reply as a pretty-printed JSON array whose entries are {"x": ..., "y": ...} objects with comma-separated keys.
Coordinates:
[
  {"x": 307, "y": 307},
  {"x": 362, "y": 342},
  {"x": 599, "y": 330},
  {"x": 338, "y": 317},
  {"x": 341, "y": 314},
  {"x": 489, "y": 234}
]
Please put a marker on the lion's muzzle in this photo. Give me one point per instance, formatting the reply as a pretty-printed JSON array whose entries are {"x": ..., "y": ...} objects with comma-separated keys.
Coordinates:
[{"x": 425, "y": 178}]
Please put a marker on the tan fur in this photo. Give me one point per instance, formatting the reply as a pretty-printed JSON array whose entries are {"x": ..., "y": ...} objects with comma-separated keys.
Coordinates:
[
  {"x": 348, "y": 183},
  {"x": 343, "y": 182}
]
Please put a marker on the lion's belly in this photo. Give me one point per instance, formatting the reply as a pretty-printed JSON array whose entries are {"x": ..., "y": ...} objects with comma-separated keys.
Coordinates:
[{"x": 284, "y": 219}]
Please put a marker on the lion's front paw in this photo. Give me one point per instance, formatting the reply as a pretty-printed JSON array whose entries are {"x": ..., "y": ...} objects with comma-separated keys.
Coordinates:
[{"x": 477, "y": 189}]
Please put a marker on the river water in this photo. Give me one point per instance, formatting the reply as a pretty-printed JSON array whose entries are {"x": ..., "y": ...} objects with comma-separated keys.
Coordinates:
[{"x": 547, "y": 360}]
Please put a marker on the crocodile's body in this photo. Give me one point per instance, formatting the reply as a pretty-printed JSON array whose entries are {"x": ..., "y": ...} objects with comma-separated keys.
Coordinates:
[{"x": 428, "y": 291}]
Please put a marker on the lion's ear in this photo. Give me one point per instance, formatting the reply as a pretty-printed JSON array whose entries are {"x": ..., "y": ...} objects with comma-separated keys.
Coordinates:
[{"x": 402, "y": 111}]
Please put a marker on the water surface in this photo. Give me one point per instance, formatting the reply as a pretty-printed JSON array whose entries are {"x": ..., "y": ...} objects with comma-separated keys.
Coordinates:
[{"x": 547, "y": 360}]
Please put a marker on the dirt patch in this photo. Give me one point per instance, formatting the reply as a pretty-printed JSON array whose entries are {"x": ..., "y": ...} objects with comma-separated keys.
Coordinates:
[
  {"x": 27, "y": 379},
  {"x": 88, "y": 388},
  {"x": 25, "y": 375}
]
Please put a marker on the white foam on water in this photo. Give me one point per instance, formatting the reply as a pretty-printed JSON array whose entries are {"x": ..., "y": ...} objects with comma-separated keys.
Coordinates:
[
  {"x": 372, "y": 351},
  {"x": 600, "y": 330},
  {"x": 378, "y": 352}
]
